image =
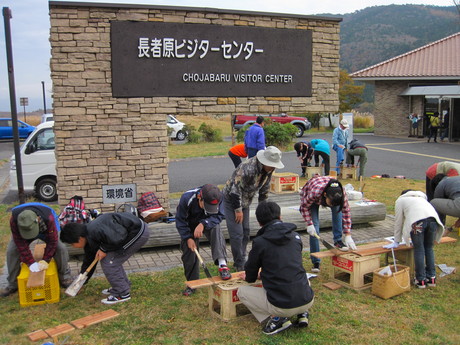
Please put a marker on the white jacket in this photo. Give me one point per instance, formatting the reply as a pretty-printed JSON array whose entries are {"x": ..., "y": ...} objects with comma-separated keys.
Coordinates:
[{"x": 409, "y": 209}]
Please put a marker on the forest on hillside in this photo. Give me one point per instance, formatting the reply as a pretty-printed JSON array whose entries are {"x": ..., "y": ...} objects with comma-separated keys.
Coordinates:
[{"x": 378, "y": 33}]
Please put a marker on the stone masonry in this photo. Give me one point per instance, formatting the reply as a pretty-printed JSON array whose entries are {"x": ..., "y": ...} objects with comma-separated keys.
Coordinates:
[{"x": 102, "y": 140}]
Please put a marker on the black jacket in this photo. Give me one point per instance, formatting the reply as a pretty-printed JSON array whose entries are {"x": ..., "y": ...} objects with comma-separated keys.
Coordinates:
[
  {"x": 277, "y": 249},
  {"x": 110, "y": 232}
]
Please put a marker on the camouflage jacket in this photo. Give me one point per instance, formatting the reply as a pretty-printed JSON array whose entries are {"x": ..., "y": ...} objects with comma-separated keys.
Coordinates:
[{"x": 247, "y": 179}]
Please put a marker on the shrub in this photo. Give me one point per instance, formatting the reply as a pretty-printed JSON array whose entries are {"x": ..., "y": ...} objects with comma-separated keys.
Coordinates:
[
  {"x": 210, "y": 134},
  {"x": 363, "y": 122},
  {"x": 276, "y": 134},
  {"x": 193, "y": 136}
]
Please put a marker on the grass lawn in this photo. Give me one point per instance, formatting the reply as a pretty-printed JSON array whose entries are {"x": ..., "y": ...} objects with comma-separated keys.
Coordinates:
[{"x": 159, "y": 314}]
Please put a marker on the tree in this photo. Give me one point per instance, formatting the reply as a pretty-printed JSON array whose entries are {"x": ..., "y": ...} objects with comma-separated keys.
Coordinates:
[{"x": 349, "y": 93}]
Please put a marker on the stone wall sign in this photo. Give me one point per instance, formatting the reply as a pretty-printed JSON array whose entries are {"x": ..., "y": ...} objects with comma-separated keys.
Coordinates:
[{"x": 151, "y": 59}]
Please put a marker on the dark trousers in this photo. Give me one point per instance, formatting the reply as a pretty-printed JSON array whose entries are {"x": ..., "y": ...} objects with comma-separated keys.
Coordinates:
[
  {"x": 433, "y": 133},
  {"x": 235, "y": 159},
  {"x": 189, "y": 258},
  {"x": 252, "y": 152},
  {"x": 326, "y": 161},
  {"x": 112, "y": 264}
]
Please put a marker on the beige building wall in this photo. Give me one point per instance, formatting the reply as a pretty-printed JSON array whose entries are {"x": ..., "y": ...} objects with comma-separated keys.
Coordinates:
[
  {"x": 391, "y": 110},
  {"x": 102, "y": 140}
]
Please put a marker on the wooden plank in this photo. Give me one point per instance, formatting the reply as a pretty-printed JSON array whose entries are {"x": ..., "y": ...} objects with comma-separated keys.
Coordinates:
[
  {"x": 94, "y": 318},
  {"x": 37, "y": 335},
  {"x": 199, "y": 283},
  {"x": 58, "y": 330},
  {"x": 375, "y": 248},
  {"x": 332, "y": 285},
  {"x": 36, "y": 279}
]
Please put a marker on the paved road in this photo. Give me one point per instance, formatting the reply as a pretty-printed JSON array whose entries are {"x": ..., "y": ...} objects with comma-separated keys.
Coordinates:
[{"x": 393, "y": 156}]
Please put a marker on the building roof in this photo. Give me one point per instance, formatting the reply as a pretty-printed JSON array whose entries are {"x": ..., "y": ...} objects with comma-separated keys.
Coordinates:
[{"x": 437, "y": 60}]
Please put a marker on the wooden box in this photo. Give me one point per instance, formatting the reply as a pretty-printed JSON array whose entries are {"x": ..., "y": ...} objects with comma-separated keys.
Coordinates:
[
  {"x": 284, "y": 183},
  {"x": 349, "y": 173},
  {"x": 312, "y": 171},
  {"x": 224, "y": 301},
  {"x": 354, "y": 271}
]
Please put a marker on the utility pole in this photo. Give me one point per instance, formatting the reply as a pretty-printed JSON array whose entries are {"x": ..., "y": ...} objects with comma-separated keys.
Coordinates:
[
  {"x": 14, "y": 113},
  {"x": 44, "y": 98}
]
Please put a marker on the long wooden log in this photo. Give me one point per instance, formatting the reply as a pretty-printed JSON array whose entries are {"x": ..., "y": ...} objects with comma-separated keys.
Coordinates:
[{"x": 163, "y": 234}]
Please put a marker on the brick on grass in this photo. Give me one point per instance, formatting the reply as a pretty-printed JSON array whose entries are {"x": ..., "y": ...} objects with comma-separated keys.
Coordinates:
[
  {"x": 95, "y": 318},
  {"x": 38, "y": 335}
]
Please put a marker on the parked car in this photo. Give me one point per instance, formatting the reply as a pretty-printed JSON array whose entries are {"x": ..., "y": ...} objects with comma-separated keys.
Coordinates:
[
  {"x": 46, "y": 117},
  {"x": 6, "y": 129},
  {"x": 38, "y": 163},
  {"x": 178, "y": 132},
  {"x": 302, "y": 123}
]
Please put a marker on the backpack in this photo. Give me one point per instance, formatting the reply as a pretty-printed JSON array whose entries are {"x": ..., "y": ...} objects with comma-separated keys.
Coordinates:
[
  {"x": 149, "y": 207},
  {"x": 74, "y": 212}
]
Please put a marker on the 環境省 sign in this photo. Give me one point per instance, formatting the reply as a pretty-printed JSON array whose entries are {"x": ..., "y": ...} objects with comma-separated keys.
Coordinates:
[{"x": 172, "y": 59}]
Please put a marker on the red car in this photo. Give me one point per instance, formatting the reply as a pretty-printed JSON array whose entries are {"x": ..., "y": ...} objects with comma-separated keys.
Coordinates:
[{"x": 302, "y": 123}]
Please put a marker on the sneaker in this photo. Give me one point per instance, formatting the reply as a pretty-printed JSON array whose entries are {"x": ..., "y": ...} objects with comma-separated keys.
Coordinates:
[
  {"x": 302, "y": 320},
  {"x": 431, "y": 282},
  {"x": 188, "y": 291},
  {"x": 107, "y": 291},
  {"x": 276, "y": 324},
  {"x": 7, "y": 291},
  {"x": 303, "y": 175},
  {"x": 66, "y": 283},
  {"x": 116, "y": 299},
  {"x": 224, "y": 273},
  {"x": 421, "y": 284},
  {"x": 339, "y": 245},
  {"x": 315, "y": 268}
]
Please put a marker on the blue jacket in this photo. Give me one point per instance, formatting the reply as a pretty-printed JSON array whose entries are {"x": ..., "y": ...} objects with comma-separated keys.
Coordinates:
[
  {"x": 254, "y": 138},
  {"x": 189, "y": 214},
  {"x": 340, "y": 137},
  {"x": 320, "y": 145}
]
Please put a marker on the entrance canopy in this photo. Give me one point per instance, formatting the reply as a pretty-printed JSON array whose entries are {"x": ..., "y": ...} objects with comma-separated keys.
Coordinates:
[{"x": 452, "y": 91}]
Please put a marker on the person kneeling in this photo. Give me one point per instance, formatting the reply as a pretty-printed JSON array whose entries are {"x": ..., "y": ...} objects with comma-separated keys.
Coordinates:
[{"x": 277, "y": 253}]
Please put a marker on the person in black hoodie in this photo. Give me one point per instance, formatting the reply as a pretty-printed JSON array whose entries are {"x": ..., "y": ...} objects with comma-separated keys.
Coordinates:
[
  {"x": 112, "y": 238},
  {"x": 277, "y": 253}
]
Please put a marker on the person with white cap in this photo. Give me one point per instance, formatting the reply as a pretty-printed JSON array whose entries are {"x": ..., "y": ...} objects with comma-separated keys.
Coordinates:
[
  {"x": 29, "y": 222},
  {"x": 199, "y": 213},
  {"x": 248, "y": 178},
  {"x": 340, "y": 142}
]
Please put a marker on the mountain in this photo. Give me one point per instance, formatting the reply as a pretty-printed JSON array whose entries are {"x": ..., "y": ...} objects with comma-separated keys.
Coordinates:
[{"x": 378, "y": 33}]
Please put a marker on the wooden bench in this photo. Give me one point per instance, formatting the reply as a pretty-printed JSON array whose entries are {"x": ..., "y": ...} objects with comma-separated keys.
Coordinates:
[
  {"x": 163, "y": 234},
  {"x": 359, "y": 270}
]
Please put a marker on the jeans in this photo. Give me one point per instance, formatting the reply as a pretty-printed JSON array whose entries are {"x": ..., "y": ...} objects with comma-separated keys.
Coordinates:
[
  {"x": 336, "y": 228},
  {"x": 340, "y": 157},
  {"x": 422, "y": 240}
]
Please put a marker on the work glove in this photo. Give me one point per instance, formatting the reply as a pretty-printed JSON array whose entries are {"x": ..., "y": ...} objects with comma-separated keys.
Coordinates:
[
  {"x": 35, "y": 267},
  {"x": 350, "y": 243},
  {"x": 391, "y": 245},
  {"x": 311, "y": 230}
]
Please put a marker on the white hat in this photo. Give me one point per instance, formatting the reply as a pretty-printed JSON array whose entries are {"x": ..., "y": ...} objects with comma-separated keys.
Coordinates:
[
  {"x": 344, "y": 123},
  {"x": 271, "y": 157}
]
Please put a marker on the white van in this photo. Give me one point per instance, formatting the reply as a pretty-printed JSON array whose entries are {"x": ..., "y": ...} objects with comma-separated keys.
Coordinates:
[
  {"x": 38, "y": 163},
  {"x": 46, "y": 118}
]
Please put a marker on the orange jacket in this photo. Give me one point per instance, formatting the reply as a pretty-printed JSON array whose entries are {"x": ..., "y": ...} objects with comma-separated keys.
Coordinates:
[{"x": 238, "y": 150}]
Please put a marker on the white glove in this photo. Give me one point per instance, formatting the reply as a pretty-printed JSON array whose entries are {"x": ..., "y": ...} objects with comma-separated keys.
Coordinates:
[
  {"x": 350, "y": 243},
  {"x": 35, "y": 267},
  {"x": 391, "y": 245},
  {"x": 311, "y": 230}
]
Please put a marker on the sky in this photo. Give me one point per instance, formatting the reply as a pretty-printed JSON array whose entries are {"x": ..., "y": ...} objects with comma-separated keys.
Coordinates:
[{"x": 31, "y": 49}]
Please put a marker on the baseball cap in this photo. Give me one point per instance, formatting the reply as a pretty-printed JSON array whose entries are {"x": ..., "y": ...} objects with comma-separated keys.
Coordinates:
[
  {"x": 344, "y": 123},
  {"x": 211, "y": 196},
  {"x": 28, "y": 224}
]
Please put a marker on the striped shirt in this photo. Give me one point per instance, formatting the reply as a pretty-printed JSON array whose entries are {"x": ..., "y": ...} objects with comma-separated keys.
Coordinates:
[{"x": 312, "y": 194}]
